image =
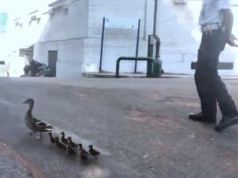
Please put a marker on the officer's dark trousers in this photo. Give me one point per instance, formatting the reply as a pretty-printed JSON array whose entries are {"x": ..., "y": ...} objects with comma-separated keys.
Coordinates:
[{"x": 210, "y": 87}]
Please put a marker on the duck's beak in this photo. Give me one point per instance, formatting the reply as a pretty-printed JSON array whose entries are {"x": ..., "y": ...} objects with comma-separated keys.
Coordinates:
[{"x": 24, "y": 102}]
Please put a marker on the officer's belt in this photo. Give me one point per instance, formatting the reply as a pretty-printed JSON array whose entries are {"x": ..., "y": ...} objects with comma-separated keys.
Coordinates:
[{"x": 209, "y": 27}]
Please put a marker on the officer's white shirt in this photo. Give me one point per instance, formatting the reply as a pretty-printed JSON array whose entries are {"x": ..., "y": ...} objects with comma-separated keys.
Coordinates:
[{"x": 210, "y": 11}]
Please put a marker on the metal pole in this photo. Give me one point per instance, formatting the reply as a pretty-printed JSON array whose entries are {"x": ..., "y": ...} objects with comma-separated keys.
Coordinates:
[
  {"x": 145, "y": 21},
  {"x": 102, "y": 43},
  {"x": 137, "y": 44},
  {"x": 155, "y": 17},
  {"x": 138, "y": 38}
]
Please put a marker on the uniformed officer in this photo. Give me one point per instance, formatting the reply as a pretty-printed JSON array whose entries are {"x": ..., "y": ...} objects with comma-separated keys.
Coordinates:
[{"x": 216, "y": 22}]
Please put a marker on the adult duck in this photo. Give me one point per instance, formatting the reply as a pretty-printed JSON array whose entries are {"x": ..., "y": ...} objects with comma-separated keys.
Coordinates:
[{"x": 33, "y": 123}]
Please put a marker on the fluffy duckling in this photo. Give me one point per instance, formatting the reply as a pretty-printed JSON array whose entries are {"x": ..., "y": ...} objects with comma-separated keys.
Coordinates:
[
  {"x": 63, "y": 139},
  {"x": 72, "y": 144},
  {"x": 33, "y": 123},
  {"x": 93, "y": 152},
  {"x": 70, "y": 148},
  {"x": 82, "y": 153},
  {"x": 59, "y": 144}
]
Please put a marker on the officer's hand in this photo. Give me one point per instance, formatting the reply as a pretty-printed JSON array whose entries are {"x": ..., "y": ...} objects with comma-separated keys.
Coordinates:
[{"x": 233, "y": 41}]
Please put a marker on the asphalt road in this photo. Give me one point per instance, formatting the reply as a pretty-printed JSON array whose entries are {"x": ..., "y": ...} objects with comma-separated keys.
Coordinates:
[{"x": 139, "y": 125}]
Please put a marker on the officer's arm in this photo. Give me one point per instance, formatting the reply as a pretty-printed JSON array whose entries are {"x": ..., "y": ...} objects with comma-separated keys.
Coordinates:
[{"x": 227, "y": 23}]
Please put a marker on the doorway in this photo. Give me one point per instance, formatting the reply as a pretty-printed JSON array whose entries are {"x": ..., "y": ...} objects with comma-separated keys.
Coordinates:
[{"x": 52, "y": 61}]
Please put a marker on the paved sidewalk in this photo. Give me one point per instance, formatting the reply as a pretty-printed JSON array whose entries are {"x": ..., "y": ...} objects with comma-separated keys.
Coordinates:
[
  {"x": 139, "y": 125},
  {"x": 13, "y": 165}
]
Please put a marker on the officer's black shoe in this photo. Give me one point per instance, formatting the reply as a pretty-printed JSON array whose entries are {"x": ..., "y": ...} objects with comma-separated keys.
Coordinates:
[
  {"x": 200, "y": 117},
  {"x": 226, "y": 122}
]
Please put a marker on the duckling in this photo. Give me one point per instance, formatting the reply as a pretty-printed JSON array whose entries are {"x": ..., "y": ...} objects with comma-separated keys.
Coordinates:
[
  {"x": 82, "y": 152},
  {"x": 52, "y": 139},
  {"x": 93, "y": 152},
  {"x": 70, "y": 148},
  {"x": 59, "y": 144},
  {"x": 33, "y": 123},
  {"x": 63, "y": 139},
  {"x": 72, "y": 144}
]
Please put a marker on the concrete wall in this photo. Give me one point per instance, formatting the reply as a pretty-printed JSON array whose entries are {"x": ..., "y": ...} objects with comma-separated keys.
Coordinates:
[
  {"x": 117, "y": 42},
  {"x": 65, "y": 31},
  {"x": 75, "y": 28},
  {"x": 180, "y": 35},
  {"x": 177, "y": 27}
]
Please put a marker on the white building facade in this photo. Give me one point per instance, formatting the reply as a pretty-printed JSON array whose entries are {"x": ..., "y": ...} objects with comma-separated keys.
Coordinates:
[
  {"x": 71, "y": 30},
  {"x": 74, "y": 29}
]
